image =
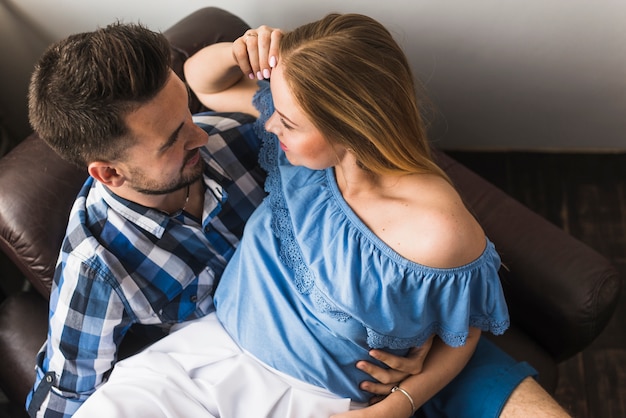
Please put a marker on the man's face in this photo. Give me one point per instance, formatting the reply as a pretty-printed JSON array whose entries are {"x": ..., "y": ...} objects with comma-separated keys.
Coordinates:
[{"x": 165, "y": 156}]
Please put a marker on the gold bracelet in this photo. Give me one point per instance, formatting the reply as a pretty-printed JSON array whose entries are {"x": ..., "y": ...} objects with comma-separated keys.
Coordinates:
[{"x": 408, "y": 396}]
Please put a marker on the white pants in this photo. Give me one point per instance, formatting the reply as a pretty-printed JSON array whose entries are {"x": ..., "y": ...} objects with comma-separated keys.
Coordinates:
[{"x": 199, "y": 371}]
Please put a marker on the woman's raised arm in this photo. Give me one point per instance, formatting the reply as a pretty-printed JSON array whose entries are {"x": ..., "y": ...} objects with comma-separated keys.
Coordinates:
[{"x": 223, "y": 75}]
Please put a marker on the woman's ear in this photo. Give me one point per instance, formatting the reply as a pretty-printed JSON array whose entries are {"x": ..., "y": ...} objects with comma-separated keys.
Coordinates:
[{"x": 105, "y": 173}]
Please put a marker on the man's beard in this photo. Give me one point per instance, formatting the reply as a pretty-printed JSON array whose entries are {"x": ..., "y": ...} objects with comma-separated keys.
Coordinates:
[{"x": 142, "y": 185}]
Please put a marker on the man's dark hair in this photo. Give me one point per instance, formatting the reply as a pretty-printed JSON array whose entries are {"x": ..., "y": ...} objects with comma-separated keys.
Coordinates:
[{"x": 84, "y": 85}]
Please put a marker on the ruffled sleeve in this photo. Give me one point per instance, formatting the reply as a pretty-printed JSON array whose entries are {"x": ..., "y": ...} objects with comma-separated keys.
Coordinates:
[
  {"x": 397, "y": 302},
  {"x": 445, "y": 302}
]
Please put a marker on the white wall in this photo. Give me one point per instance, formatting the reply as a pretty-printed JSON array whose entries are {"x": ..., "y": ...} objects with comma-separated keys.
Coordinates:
[
  {"x": 517, "y": 74},
  {"x": 19, "y": 48}
]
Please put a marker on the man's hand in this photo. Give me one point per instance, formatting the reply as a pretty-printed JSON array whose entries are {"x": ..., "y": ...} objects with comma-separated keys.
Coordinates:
[{"x": 399, "y": 369}]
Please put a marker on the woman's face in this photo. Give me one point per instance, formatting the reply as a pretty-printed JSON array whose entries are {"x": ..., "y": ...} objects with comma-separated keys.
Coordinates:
[{"x": 302, "y": 142}]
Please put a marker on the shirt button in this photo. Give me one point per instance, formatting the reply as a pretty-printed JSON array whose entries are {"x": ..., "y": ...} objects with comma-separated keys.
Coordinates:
[{"x": 193, "y": 298}]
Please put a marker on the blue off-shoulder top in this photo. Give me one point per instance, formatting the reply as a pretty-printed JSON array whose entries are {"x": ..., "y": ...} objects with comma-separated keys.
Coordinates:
[{"x": 311, "y": 289}]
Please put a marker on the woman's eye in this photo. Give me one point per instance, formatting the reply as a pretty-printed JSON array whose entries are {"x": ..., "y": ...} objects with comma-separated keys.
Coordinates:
[{"x": 285, "y": 124}]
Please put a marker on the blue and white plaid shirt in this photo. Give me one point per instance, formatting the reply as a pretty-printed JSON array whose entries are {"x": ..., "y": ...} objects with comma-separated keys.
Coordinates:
[{"x": 123, "y": 264}]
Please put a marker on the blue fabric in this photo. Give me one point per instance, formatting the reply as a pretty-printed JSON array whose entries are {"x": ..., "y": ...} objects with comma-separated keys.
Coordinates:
[
  {"x": 318, "y": 289},
  {"x": 123, "y": 264},
  {"x": 483, "y": 386}
]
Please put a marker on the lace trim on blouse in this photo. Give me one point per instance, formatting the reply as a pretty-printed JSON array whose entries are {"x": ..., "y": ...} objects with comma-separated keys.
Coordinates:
[{"x": 290, "y": 253}]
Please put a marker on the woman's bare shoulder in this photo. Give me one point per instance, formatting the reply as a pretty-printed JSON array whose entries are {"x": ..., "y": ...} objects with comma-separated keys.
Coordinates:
[{"x": 436, "y": 228}]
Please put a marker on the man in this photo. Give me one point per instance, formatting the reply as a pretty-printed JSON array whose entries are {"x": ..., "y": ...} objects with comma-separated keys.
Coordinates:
[{"x": 160, "y": 215}]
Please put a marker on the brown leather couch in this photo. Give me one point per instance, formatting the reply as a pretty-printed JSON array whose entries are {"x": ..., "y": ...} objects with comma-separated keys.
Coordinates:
[{"x": 560, "y": 292}]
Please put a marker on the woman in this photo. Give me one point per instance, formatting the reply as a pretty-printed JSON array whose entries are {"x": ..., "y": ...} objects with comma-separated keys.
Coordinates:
[
  {"x": 391, "y": 254},
  {"x": 362, "y": 243}
]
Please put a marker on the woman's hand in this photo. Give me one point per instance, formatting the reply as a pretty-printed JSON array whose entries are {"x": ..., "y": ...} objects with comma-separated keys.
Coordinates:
[
  {"x": 256, "y": 51},
  {"x": 223, "y": 75},
  {"x": 399, "y": 369}
]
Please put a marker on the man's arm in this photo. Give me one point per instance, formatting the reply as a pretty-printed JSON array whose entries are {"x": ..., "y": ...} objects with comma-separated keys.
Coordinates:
[
  {"x": 398, "y": 369},
  {"x": 87, "y": 322}
]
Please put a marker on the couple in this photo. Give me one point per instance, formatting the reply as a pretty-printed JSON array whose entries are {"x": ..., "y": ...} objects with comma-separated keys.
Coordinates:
[{"x": 361, "y": 243}]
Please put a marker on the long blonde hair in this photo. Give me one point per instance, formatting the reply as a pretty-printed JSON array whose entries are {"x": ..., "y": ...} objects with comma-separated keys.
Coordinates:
[{"x": 354, "y": 82}]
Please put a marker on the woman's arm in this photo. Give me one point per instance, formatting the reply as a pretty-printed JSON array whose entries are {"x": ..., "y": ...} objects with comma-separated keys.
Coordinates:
[
  {"x": 223, "y": 75},
  {"x": 441, "y": 365}
]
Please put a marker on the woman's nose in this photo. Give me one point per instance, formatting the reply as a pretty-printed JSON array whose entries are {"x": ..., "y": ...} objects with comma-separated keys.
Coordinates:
[{"x": 270, "y": 124}]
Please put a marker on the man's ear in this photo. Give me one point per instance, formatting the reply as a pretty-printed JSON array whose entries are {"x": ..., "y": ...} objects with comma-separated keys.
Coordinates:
[{"x": 105, "y": 173}]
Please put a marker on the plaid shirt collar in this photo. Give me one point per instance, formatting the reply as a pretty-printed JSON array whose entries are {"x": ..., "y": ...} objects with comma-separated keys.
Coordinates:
[{"x": 155, "y": 221}]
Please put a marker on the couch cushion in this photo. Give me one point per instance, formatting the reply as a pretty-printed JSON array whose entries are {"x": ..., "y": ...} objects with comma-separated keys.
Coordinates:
[{"x": 38, "y": 189}]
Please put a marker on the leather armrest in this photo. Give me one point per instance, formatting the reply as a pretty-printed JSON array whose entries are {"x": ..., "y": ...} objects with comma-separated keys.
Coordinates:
[
  {"x": 559, "y": 290},
  {"x": 201, "y": 28},
  {"x": 38, "y": 189},
  {"x": 23, "y": 326}
]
